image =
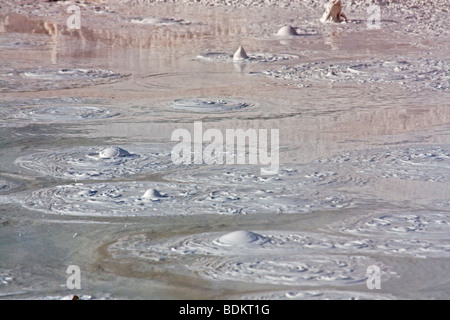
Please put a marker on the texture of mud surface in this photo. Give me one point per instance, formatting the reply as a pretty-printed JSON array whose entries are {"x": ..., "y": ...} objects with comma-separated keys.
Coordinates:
[{"x": 88, "y": 177}]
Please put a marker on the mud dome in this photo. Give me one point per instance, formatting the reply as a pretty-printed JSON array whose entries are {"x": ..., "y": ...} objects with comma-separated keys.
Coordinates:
[
  {"x": 56, "y": 114},
  {"x": 98, "y": 163},
  {"x": 241, "y": 242},
  {"x": 53, "y": 79},
  {"x": 207, "y": 105},
  {"x": 426, "y": 163}
]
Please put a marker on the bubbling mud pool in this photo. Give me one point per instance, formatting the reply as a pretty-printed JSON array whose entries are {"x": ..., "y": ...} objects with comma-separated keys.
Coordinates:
[{"x": 86, "y": 175}]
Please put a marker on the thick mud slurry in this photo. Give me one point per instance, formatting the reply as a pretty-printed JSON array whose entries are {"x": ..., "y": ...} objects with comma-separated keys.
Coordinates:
[{"x": 89, "y": 176}]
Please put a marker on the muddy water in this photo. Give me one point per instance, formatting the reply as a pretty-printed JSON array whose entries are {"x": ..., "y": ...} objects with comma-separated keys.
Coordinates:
[{"x": 363, "y": 118}]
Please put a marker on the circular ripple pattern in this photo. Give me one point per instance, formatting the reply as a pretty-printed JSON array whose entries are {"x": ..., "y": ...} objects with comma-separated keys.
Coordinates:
[
  {"x": 308, "y": 270},
  {"x": 425, "y": 225},
  {"x": 317, "y": 295},
  {"x": 53, "y": 79},
  {"x": 52, "y": 113},
  {"x": 422, "y": 235},
  {"x": 306, "y": 187},
  {"x": 131, "y": 198},
  {"x": 270, "y": 257},
  {"x": 207, "y": 105},
  {"x": 415, "y": 74},
  {"x": 240, "y": 242},
  {"x": 288, "y": 177},
  {"x": 428, "y": 163},
  {"x": 264, "y": 243},
  {"x": 98, "y": 163},
  {"x": 340, "y": 181},
  {"x": 111, "y": 200}
]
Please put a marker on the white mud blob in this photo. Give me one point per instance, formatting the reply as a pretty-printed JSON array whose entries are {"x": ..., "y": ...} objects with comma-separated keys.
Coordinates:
[
  {"x": 42, "y": 79},
  {"x": 411, "y": 74},
  {"x": 240, "y": 54},
  {"x": 113, "y": 152},
  {"x": 51, "y": 111},
  {"x": 287, "y": 31},
  {"x": 152, "y": 194},
  {"x": 207, "y": 105},
  {"x": 98, "y": 163},
  {"x": 237, "y": 238}
]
